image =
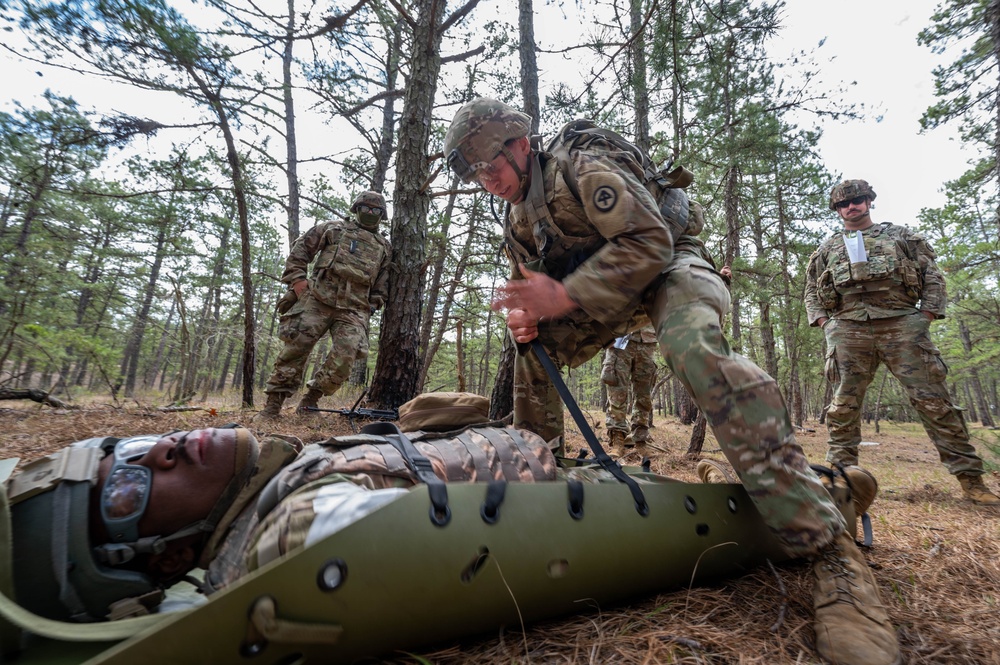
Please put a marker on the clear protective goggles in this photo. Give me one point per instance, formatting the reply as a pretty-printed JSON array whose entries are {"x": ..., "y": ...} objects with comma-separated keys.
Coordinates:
[
  {"x": 369, "y": 210},
  {"x": 126, "y": 490},
  {"x": 463, "y": 169}
]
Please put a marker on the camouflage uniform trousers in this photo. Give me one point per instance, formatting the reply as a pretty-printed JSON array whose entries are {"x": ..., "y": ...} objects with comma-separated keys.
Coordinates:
[
  {"x": 903, "y": 343},
  {"x": 633, "y": 369},
  {"x": 741, "y": 402},
  {"x": 301, "y": 328}
]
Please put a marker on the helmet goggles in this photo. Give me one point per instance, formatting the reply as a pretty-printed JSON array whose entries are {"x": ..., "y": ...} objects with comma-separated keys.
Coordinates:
[
  {"x": 126, "y": 489},
  {"x": 466, "y": 171}
]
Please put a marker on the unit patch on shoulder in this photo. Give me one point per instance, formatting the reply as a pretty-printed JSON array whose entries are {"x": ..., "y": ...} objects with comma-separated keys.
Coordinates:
[{"x": 605, "y": 198}]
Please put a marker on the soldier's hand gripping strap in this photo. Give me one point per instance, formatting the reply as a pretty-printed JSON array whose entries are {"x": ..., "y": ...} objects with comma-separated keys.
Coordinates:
[
  {"x": 603, "y": 459},
  {"x": 436, "y": 488}
]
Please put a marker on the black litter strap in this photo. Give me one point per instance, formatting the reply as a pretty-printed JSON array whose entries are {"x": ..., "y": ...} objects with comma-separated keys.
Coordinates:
[
  {"x": 575, "y": 490},
  {"x": 436, "y": 488},
  {"x": 495, "y": 492},
  {"x": 603, "y": 459}
]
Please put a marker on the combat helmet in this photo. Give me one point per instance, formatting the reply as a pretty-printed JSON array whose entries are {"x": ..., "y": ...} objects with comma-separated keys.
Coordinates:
[
  {"x": 370, "y": 199},
  {"x": 57, "y": 571},
  {"x": 848, "y": 190},
  {"x": 478, "y": 134}
]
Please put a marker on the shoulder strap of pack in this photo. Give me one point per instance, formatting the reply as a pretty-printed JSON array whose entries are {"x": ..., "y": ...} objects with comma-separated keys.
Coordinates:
[{"x": 580, "y": 134}]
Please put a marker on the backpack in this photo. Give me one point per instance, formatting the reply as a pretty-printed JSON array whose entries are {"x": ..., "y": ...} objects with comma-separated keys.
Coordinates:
[
  {"x": 443, "y": 412},
  {"x": 666, "y": 186}
]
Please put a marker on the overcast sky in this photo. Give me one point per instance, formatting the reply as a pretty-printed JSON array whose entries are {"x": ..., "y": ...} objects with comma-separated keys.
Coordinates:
[{"x": 872, "y": 42}]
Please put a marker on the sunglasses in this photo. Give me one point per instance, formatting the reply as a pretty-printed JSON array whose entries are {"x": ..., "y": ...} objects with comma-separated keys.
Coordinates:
[
  {"x": 126, "y": 490},
  {"x": 366, "y": 209},
  {"x": 857, "y": 200}
]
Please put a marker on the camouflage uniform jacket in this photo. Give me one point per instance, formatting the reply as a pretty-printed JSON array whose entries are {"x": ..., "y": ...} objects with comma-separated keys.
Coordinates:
[
  {"x": 899, "y": 273},
  {"x": 606, "y": 249},
  {"x": 282, "y": 518},
  {"x": 352, "y": 265}
]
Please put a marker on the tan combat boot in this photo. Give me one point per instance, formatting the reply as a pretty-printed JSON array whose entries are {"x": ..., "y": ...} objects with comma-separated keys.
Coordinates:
[
  {"x": 864, "y": 487},
  {"x": 852, "y": 626},
  {"x": 710, "y": 471},
  {"x": 616, "y": 439},
  {"x": 271, "y": 410},
  {"x": 977, "y": 492},
  {"x": 309, "y": 401},
  {"x": 639, "y": 436}
]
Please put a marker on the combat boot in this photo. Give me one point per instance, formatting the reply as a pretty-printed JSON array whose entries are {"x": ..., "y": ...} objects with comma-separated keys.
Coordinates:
[
  {"x": 640, "y": 435},
  {"x": 864, "y": 487},
  {"x": 309, "y": 401},
  {"x": 710, "y": 471},
  {"x": 852, "y": 626},
  {"x": 616, "y": 439},
  {"x": 271, "y": 410},
  {"x": 977, "y": 492}
]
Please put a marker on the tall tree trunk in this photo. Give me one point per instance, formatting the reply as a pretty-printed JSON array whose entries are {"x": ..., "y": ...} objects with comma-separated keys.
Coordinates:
[
  {"x": 130, "y": 357},
  {"x": 291, "y": 140},
  {"x": 973, "y": 371},
  {"x": 395, "y": 382}
]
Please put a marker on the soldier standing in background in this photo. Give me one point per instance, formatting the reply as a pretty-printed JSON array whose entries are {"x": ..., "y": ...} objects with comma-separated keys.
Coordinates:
[
  {"x": 874, "y": 289},
  {"x": 591, "y": 265},
  {"x": 629, "y": 367},
  {"x": 349, "y": 282}
]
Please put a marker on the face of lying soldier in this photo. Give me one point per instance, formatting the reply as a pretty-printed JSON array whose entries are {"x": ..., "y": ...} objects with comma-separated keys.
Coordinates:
[{"x": 187, "y": 473}]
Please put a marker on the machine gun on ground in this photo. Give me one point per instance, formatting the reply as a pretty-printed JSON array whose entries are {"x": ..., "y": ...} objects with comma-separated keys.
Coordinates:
[{"x": 355, "y": 413}]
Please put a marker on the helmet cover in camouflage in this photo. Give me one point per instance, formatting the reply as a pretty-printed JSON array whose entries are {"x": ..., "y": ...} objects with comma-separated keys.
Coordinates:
[
  {"x": 478, "y": 133},
  {"x": 370, "y": 199},
  {"x": 848, "y": 190}
]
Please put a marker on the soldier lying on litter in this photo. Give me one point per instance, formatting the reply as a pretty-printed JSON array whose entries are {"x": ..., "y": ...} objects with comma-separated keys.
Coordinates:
[
  {"x": 153, "y": 508},
  {"x": 121, "y": 520}
]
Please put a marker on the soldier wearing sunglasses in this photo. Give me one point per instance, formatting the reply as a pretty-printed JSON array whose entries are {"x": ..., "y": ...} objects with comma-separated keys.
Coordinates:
[
  {"x": 349, "y": 282},
  {"x": 874, "y": 289}
]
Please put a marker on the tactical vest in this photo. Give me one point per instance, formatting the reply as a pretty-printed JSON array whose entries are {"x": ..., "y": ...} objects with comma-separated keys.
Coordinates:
[
  {"x": 347, "y": 266},
  {"x": 888, "y": 267}
]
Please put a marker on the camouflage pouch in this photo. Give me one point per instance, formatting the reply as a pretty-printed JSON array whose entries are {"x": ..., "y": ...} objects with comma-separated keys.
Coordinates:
[
  {"x": 443, "y": 412},
  {"x": 828, "y": 296}
]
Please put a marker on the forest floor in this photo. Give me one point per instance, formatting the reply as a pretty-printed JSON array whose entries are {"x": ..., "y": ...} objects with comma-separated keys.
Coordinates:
[{"x": 936, "y": 557}]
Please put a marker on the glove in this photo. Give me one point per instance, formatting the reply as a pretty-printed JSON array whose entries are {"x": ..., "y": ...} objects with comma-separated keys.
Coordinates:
[{"x": 286, "y": 301}]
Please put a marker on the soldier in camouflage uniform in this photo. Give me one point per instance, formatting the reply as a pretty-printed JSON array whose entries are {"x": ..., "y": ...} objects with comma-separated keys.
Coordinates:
[
  {"x": 589, "y": 268},
  {"x": 348, "y": 283},
  {"x": 629, "y": 367},
  {"x": 874, "y": 289}
]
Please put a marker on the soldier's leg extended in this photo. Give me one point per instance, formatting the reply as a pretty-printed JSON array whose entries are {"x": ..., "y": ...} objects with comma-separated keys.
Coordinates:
[
  {"x": 349, "y": 342},
  {"x": 643, "y": 373},
  {"x": 615, "y": 377},
  {"x": 300, "y": 328},
  {"x": 537, "y": 405},
  {"x": 745, "y": 409},
  {"x": 912, "y": 357},
  {"x": 851, "y": 361},
  {"x": 748, "y": 416}
]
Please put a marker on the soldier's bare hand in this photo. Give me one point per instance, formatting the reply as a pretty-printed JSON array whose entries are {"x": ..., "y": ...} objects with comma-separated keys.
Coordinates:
[
  {"x": 538, "y": 295},
  {"x": 522, "y": 326},
  {"x": 300, "y": 286}
]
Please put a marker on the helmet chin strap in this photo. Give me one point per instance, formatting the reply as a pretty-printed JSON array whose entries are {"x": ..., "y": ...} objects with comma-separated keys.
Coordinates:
[{"x": 522, "y": 176}]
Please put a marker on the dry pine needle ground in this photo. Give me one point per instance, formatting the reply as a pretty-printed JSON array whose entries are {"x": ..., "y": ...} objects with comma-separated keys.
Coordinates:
[{"x": 936, "y": 557}]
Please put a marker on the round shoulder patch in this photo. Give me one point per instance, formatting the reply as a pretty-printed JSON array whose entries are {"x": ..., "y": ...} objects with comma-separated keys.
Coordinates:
[{"x": 605, "y": 198}]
